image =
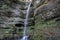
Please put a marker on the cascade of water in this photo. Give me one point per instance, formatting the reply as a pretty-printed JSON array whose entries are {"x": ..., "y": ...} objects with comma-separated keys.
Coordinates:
[{"x": 25, "y": 37}]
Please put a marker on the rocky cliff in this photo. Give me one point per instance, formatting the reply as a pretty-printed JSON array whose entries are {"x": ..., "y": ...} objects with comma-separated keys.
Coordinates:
[
  {"x": 12, "y": 17},
  {"x": 44, "y": 19},
  {"x": 47, "y": 21}
]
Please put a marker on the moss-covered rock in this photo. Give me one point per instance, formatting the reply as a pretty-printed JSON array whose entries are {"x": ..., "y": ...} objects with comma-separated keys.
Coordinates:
[{"x": 46, "y": 16}]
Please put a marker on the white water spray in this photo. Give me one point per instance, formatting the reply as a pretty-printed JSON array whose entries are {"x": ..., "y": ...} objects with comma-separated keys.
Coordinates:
[{"x": 25, "y": 37}]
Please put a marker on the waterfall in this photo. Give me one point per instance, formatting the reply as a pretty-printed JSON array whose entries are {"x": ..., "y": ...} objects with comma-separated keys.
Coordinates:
[{"x": 25, "y": 37}]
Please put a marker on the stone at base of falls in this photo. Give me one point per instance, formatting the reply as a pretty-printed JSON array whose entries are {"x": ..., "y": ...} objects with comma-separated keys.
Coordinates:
[{"x": 12, "y": 38}]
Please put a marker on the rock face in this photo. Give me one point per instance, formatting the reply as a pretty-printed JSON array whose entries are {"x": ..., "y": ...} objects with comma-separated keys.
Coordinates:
[
  {"x": 12, "y": 17},
  {"x": 47, "y": 11},
  {"x": 46, "y": 16}
]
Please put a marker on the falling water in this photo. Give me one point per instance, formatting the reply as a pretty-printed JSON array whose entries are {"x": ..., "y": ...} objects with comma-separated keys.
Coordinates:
[{"x": 25, "y": 37}]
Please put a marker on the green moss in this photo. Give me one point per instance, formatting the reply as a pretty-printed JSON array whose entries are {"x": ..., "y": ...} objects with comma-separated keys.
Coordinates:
[{"x": 39, "y": 26}]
